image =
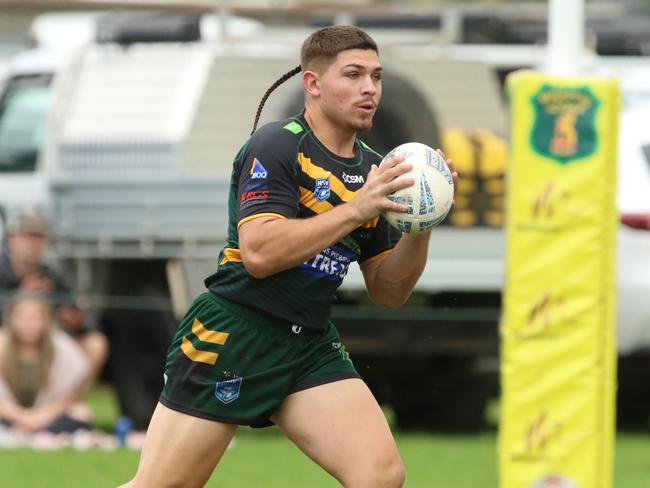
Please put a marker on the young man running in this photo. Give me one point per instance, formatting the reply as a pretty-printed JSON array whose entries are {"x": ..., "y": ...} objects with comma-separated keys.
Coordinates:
[{"x": 258, "y": 347}]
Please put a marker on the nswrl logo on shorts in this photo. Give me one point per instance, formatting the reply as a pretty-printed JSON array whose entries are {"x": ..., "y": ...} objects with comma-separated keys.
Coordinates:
[{"x": 228, "y": 391}]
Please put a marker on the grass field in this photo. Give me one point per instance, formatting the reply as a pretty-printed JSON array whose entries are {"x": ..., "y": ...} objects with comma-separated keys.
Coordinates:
[{"x": 265, "y": 459}]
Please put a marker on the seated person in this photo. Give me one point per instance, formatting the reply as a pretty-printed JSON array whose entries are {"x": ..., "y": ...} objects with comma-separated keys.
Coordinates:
[
  {"x": 42, "y": 370},
  {"x": 22, "y": 268}
]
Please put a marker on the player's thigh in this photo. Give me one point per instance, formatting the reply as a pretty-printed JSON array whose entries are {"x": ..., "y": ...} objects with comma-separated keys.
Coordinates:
[
  {"x": 342, "y": 428},
  {"x": 180, "y": 450}
]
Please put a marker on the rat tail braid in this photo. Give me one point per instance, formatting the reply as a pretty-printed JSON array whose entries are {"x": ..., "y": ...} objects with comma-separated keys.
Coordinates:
[{"x": 276, "y": 84}]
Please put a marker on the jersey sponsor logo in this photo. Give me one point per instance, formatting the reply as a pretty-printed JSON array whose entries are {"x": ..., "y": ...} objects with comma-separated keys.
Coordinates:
[
  {"x": 352, "y": 178},
  {"x": 247, "y": 196},
  {"x": 331, "y": 263},
  {"x": 258, "y": 172},
  {"x": 253, "y": 197},
  {"x": 322, "y": 189},
  {"x": 228, "y": 391}
]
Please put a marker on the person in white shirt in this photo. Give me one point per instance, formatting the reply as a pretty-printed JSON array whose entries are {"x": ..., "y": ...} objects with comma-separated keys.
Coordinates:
[{"x": 42, "y": 370}]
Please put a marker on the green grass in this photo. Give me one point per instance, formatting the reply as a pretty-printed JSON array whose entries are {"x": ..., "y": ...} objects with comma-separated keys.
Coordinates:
[
  {"x": 268, "y": 460},
  {"x": 103, "y": 404},
  {"x": 265, "y": 459},
  {"x": 259, "y": 460}
]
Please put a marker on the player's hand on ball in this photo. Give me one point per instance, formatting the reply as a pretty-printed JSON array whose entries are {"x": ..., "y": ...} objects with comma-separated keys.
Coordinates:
[
  {"x": 454, "y": 173},
  {"x": 427, "y": 201},
  {"x": 372, "y": 199}
]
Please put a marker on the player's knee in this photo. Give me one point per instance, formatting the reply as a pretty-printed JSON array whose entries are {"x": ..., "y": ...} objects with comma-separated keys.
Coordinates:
[
  {"x": 393, "y": 474},
  {"x": 387, "y": 473}
]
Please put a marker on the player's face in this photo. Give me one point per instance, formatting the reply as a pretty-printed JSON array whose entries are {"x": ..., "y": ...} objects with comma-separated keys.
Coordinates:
[{"x": 350, "y": 89}]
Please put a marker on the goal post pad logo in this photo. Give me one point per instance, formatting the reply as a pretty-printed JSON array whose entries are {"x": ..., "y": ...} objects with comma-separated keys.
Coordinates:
[{"x": 564, "y": 128}]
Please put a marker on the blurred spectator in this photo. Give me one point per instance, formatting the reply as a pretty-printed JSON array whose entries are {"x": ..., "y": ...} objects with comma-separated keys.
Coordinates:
[
  {"x": 22, "y": 268},
  {"x": 42, "y": 370}
]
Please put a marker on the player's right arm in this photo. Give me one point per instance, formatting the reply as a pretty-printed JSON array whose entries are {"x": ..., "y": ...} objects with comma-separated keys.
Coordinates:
[
  {"x": 270, "y": 244},
  {"x": 271, "y": 238}
]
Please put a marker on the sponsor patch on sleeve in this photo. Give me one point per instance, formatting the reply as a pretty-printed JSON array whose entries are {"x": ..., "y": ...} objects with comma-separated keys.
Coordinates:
[
  {"x": 253, "y": 197},
  {"x": 258, "y": 172}
]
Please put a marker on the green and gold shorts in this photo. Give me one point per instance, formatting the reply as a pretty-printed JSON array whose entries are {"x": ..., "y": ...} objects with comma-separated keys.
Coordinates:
[{"x": 232, "y": 364}]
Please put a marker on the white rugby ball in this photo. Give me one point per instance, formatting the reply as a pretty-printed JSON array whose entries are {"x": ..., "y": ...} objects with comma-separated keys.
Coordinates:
[{"x": 429, "y": 199}]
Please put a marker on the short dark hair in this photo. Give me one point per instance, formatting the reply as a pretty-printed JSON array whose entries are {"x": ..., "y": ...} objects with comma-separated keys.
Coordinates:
[{"x": 328, "y": 42}]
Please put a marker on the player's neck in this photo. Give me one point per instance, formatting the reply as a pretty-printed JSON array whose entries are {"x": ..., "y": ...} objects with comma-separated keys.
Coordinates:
[{"x": 337, "y": 140}]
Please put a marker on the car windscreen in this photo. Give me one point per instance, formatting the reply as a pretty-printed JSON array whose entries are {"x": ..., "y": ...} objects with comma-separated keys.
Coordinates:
[{"x": 22, "y": 122}]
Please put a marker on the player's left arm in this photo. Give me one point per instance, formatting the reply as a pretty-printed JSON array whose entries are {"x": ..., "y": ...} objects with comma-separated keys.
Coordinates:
[{"x": 391, "y": 278}]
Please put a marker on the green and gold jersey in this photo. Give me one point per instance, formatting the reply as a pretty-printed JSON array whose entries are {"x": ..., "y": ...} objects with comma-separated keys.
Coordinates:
[{"x": 284, "y": 171}]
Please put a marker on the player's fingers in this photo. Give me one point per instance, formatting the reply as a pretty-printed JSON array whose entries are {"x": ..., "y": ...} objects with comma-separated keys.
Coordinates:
[
  {"x": 393, "y": 205},
  {"x": 373, "y": 175},
  {"x": 396, "y": 207},
  {"x": 398, "y": 184},
  {"x": 393, "y": 160},
  {"x": 393, "y": 172},
  {"x": 454, "y": 173},
  {"x": 450, "y": 164}
]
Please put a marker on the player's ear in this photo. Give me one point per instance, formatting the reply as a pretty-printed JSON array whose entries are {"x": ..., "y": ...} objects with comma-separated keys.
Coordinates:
[{"x": 311, "y": 82}]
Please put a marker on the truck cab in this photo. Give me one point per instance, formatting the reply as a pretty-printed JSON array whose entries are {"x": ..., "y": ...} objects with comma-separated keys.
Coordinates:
[{"x": 24, "y": 102}]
